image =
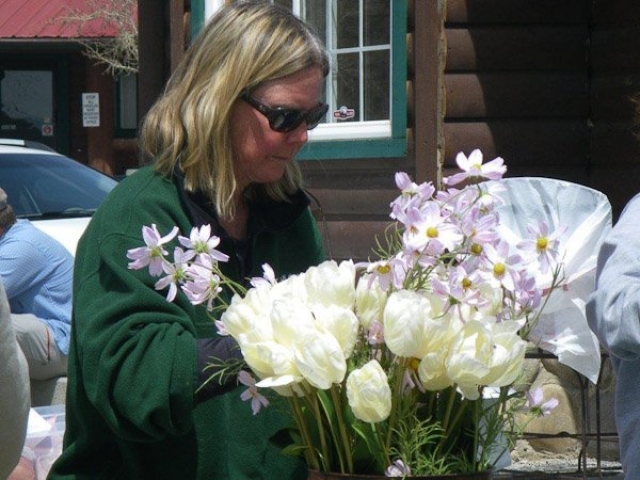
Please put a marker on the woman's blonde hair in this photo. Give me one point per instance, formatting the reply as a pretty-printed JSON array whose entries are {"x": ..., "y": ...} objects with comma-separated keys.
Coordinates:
[{"x": 241, "y": 47}]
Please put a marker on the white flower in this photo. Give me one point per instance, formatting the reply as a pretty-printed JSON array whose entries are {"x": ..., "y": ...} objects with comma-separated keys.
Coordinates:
[
  {"x": 507, "y": 359},
  {"x": 369, "y": 393},
  {"x": 470, "y": 358},
  {"x": 432, "y": 370},
  {"x": 319, "y": 358},
  {"x": 331, "y": 283},
  {"x": 249, "y": 316},
  {"x": 415, "y": 325},
  {"x": 272, "y": 362},
  {"x": 405, "y": 314},
  {"x": 341, "y": 322},
  {"x": 370, "y": 300}
]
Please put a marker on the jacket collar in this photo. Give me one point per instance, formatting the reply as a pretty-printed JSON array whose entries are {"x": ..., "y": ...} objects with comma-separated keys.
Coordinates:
[{"x": 265, "y": 214}]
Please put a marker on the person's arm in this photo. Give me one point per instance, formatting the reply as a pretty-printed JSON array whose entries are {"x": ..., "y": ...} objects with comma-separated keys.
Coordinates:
[
  {"x": 613, "y": 309},
  {"x": 19, "y": 263},
  {"x": 14, "y": 392}
]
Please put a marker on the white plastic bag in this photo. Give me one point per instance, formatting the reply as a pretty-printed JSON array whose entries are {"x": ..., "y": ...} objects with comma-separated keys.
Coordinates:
[{"x": 586, "y": 216}]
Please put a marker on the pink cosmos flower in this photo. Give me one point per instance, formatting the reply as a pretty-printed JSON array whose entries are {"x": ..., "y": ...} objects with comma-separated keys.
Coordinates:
[
  {"x": 536, "y": 405},
  {"x": 176, "y": 272},
  {"x": 257, "y": 400},
  {"x": 153, "y": 253},
  {"x": 203, "y": 243},
  {"x": 268, "y": 277},
  {"x": 432, "y": 231},
  {"x": 472, "y": 168},
  {"x": 544, "y": 245},
  {"x": 203, "y": 285},
  {"x": 397, "y": 469}
]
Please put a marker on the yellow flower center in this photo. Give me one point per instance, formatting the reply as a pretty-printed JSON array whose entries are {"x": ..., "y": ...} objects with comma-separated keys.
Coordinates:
[
  {"x": 383, "y": 269},
  {"x": 541, "y": 243},
  {"x": 432, "y": 232},
  {"x": 476, "y": 249},
  {"x": 466, "y": 283},
  {"x": 499, "y": 269}
]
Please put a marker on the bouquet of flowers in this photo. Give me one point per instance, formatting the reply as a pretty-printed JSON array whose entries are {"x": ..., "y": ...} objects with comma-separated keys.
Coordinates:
[{"x": 403, "y": 365}]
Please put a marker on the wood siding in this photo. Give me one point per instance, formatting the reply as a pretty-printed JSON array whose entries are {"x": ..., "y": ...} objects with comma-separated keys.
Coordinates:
[{"x": 546, "y": 85}]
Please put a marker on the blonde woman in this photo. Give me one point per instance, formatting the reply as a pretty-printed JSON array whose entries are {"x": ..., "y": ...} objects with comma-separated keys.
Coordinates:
[{"x": 221, "y": 144}]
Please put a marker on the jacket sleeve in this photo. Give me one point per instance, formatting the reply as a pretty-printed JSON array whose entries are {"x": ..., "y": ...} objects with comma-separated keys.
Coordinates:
[
  {"x": 14, "y": 392},
  {"x": 613, "y": 309},
  {"x": 137, "y": 351}
]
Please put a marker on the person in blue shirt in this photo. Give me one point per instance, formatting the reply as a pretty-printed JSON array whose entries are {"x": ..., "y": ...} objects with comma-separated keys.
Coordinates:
[{"x": 37, "y": 273}]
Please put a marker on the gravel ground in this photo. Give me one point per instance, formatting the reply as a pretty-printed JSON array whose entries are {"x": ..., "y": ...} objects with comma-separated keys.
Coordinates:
[{"x": 529, "y": 464}]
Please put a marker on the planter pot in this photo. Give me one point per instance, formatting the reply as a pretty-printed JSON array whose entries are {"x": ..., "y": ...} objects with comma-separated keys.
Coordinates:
[{"x": 315, "y": 475}]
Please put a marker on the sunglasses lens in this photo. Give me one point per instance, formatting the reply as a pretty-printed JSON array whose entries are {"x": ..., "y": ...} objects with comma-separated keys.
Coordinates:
[
  {"x": 315, "y": 116},
  {"x": 288, "y": 120},
  {"x": 282, "y": 120}
]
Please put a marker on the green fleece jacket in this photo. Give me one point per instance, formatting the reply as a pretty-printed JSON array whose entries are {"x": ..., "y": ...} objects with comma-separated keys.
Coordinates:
[{"x": 131, "y": 410}]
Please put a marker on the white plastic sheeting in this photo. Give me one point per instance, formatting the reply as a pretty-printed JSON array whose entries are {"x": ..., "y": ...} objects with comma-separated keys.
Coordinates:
[{"x": 585, "y": 215}]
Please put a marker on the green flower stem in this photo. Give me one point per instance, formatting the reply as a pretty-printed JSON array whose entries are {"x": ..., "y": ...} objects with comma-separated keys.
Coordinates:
[
  {"x": 447, "y": 415},
  {"x": 310, "y": 451},
  {"x": 477, "y": 416},
  {"x": 346, "y": 440},
  {"x": 314, "y": 403},
  {"x": 395, "y": 398}
]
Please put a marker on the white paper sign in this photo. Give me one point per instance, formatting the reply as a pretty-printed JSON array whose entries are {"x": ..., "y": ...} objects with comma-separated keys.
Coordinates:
[{"x": 90, "y": 110}]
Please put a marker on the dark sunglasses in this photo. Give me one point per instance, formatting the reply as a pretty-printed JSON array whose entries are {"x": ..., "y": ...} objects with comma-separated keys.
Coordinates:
[{"x": 287, "y": 119}]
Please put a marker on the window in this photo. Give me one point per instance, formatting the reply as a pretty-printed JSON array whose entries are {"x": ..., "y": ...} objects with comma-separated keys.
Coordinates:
[
  {"x": 126, "y": 115},
  {"x": 365, "y": 89}
]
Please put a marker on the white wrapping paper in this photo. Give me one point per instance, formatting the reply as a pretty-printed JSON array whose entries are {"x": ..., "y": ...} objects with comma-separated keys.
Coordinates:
[{"x": 586, "y": 216}]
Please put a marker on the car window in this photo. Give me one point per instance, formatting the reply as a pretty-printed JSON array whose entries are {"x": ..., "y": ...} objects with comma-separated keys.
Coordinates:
[{"x": 41, "y": 185}]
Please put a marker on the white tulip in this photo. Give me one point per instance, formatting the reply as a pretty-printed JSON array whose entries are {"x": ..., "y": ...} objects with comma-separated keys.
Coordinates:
[
  {"x": 249, "y": 315},
  {"x": 269, "y": 359},
  {"x": 331, "y": 284},
  {"x": 340, "y": 322},
  {"x": 289, "y": 318},
  {"x": 369, "y": 393},
  {"x": 370, "y": 301},
  {"x": 470, "y": 358},
  {"x": 507, "y": 362},
  {"x": 432, "y": 371},
  {"x": 319, "y": 358},
  {"x": 404, "y": 317}
]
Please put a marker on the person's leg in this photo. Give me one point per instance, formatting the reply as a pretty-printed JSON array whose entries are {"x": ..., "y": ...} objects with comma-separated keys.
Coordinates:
[{"x": 39, "y": 347}]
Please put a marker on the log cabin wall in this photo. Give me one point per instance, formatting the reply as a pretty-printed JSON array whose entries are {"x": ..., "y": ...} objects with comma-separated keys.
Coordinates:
[
  {"x": 546, "y": 85},
  {"x": 614, "y": 83}
]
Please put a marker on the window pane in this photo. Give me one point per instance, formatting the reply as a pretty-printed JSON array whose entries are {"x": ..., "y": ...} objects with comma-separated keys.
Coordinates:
[
  {"x": 26, "y": 105},
  {"x": 347, "y": 77},
  {"x": 347, "y": 23},
  {"x": 315, "y": 13},
  {"x": 284, "y": 3},
  {"x": 127, "y": 102},
  {"x": 376, "y": 22},
  {"x": 376, "y": 85}
]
